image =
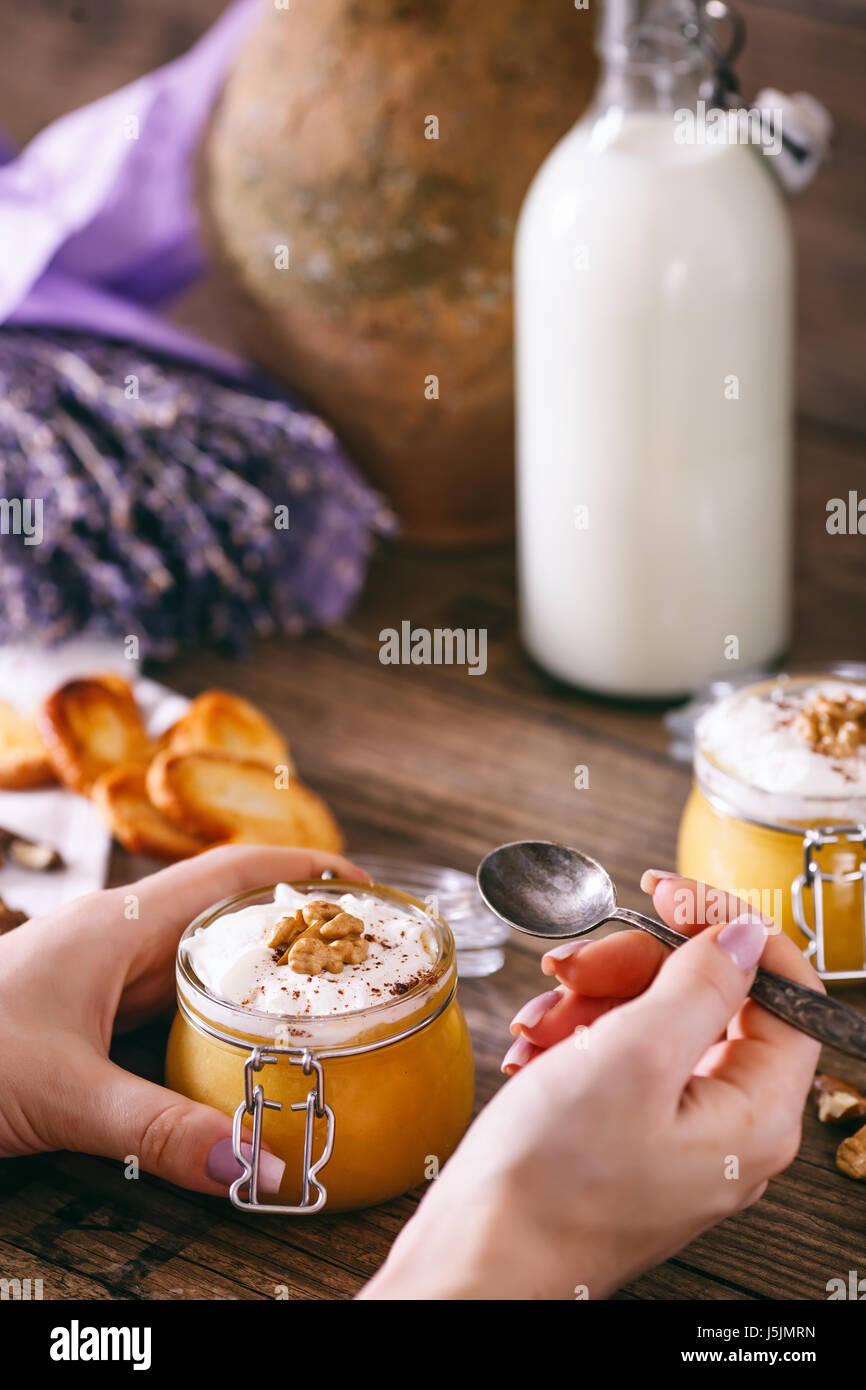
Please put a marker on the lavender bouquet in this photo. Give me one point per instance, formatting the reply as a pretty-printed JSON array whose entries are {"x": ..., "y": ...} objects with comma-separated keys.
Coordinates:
[{"x": 173, "y": 504}]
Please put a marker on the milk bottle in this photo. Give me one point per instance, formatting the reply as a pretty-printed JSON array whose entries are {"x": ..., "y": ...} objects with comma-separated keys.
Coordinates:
[{"x": 654, "y": 325}]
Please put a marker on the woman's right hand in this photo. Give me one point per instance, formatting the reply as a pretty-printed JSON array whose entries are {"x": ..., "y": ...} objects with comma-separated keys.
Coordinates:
[{"x": 650, "y": 1100}]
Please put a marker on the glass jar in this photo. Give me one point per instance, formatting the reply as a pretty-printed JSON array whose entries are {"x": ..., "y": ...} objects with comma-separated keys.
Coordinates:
[
  {"x": 361, "y": 1106},
  {"x": 798, "y": 859}
]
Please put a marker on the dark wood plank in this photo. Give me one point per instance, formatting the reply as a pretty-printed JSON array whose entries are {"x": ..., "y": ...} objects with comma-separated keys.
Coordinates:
[{"x": 56, "y": 1282}]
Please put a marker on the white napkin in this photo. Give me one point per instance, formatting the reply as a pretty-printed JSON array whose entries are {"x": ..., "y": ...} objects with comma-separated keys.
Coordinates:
[{"x": 68, "y": 822}]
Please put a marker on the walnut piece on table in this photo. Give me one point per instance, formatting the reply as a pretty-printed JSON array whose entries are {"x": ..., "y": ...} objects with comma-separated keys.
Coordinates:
[
  {"x": 837, "y": 1099},
  {"x": 28, "y": 854},
  {"x": 10, "y": 917},
  {"x": 851, "y": 1155},
  {"x": 840, "y": 1102}
]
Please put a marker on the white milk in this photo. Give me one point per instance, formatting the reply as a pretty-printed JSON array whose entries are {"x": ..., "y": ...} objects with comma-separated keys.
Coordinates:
[{"x": 654, "y": 332}]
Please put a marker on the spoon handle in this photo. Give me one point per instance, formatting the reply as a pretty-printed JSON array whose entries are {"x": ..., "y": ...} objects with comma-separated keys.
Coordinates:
[
  {"x": 649, "y": 924},
  {"x": 825, "y": 1019}
]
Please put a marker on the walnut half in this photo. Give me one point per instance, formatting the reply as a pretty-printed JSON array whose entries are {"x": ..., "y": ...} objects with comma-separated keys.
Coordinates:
[
  {"x": 283, "y": 933},
  {"x": 320, "y": 936},
  {"x": 835, "y": 727}
]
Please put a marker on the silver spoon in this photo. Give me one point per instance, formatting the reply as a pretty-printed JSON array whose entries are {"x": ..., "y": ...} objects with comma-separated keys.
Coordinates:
[{"x": 552, "y": 891}]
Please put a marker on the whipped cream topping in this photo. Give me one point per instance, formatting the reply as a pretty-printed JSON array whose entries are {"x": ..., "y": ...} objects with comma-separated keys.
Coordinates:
[
  {"x": 233, "y": 961},
  {"x": 757, "y": 736}
]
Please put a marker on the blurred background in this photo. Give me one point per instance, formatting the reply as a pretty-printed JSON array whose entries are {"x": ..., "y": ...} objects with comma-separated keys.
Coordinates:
[{"x": 57, "y": 55}]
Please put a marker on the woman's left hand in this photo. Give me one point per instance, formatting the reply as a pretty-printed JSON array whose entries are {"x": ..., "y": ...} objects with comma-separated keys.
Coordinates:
[{"x": 107, "y": 960}]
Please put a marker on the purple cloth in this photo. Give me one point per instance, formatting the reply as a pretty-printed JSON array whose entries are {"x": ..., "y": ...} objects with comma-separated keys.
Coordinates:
[
  {"x": 201, "y": 504},
  {"x": 97, "y": 227}
]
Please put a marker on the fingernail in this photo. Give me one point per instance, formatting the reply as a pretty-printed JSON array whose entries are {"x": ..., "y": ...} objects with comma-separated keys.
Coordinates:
[
  {"x": 563, "y": 952},
  {"x": 743, "y": 940},
  {"x": 223, "y": 1167},
  {"x": 518, "y": 1054},
  {"x": 651, "y": 878},
  {"x": 534, "y": 1010}
]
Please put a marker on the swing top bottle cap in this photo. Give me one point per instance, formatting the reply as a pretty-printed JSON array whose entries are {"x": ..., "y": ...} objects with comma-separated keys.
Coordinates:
[{"x": 623, "y": 24}]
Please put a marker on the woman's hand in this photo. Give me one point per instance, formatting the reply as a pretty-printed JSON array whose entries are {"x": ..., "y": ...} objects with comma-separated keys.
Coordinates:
[
  {"x": 650, "y": 1099},
  {"x": 107, "y": 960}
]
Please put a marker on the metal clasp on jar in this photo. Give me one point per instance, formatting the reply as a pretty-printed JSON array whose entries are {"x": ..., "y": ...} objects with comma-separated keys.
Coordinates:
[
  {"x": 813, "y": 878},
  {"x": 254, "y": 1103}
]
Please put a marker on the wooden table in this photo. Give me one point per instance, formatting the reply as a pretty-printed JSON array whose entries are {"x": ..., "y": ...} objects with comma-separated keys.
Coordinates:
[{"x": 436, "y": 764}]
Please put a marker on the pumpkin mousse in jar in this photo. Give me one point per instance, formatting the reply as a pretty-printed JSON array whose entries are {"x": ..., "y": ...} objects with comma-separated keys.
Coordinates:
[
  {"x": 323, "y": 1016},
  {"x": 777, "y": 812}
]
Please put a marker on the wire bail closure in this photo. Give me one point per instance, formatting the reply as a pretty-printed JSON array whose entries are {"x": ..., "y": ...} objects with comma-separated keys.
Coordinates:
[
  {"x": 801, "y": 125},
  {"x": 315, "y": 1105},
  {"x": 812, "y": 880},
  {"x": 723, "y": 88},
  {"x": 255, "y": 1103}
]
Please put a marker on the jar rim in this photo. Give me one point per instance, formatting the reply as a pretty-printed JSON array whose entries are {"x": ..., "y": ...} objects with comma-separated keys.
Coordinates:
[{"x": 359, "y": 1020}]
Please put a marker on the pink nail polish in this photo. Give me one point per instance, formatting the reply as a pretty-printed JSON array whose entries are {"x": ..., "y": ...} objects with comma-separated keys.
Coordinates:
[
  {"x": 223, "y": 1167},
  {"x": 651, "y": 878},
  {"x": 563, "y": 952},
  {"x": 518, "y": 1054},
  {"x": 533, "y": 1010},
  {"x": 743, "y": 940}
]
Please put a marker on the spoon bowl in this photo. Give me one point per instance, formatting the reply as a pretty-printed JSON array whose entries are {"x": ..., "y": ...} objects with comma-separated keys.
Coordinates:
[{"x": 545, "y": 889}]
